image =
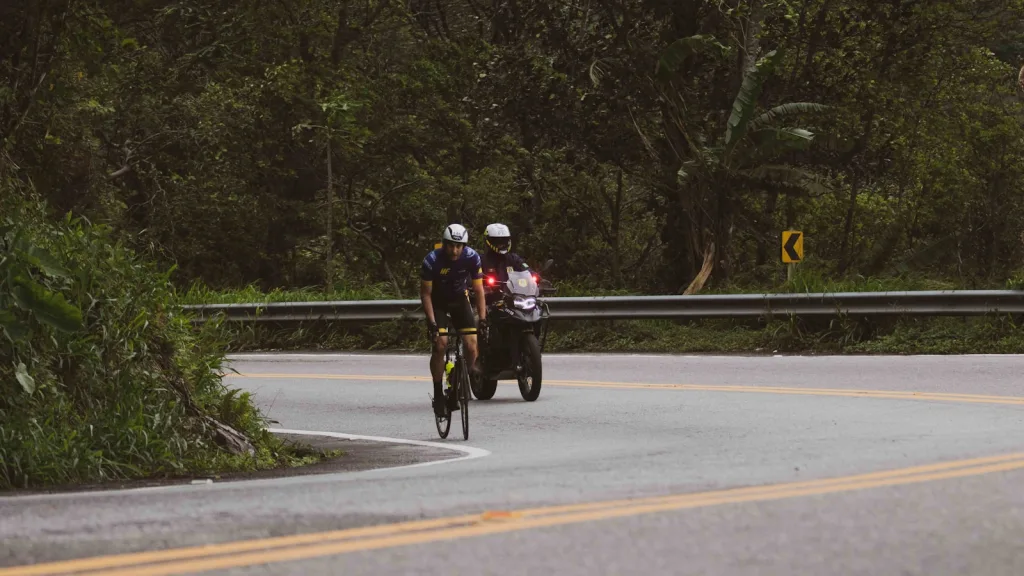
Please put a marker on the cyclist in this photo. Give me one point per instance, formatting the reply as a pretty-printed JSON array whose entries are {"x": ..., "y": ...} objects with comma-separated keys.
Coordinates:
[
  {"x": 444, "y": 290},
  {"x": 499, "y": 259}
]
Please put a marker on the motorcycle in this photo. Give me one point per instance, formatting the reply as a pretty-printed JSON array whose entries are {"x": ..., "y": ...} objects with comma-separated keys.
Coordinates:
[{"x": 517, "y": 331}]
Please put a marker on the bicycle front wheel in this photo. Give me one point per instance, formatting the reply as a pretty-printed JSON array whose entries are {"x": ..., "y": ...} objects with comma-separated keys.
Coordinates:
[
  {"x": 464, "y": 398},
  {"x": 444, "y": 423}
]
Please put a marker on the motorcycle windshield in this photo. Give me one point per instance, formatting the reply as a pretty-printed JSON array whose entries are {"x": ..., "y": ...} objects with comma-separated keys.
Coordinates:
[{"x": 522, "y": 284}]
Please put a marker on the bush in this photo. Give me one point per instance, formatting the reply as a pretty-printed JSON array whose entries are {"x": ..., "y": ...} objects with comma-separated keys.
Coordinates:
[{"x": 100, "y": 377}]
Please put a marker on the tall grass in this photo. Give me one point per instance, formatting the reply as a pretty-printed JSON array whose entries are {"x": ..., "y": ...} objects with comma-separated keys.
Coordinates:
[
  {"x": 805, "y": 280},
  {"x": 794, "y": 335},
  {"x": 119, "y": 386},
  {"x": 197, "y": 293}
]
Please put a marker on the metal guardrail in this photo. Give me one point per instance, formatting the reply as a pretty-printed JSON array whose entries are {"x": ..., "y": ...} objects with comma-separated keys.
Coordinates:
[{"x": 738, "y": 306}]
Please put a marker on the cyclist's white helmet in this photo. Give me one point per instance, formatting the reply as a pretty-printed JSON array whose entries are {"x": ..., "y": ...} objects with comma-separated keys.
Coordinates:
[
  {"x": 456, "y": 233},
  {"x": 498, "y": 238}
]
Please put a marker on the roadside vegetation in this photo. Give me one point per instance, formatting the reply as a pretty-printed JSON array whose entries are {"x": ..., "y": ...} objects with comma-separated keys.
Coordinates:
[
  {"x": 844, "y": 335},
  {"x": 1002, "y": 335},
  {"x": 101, "y": 376},
  {"x": 157, "y": 152}
]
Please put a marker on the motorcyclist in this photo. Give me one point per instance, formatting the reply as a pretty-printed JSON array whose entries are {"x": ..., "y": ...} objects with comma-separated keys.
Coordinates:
[{"x": 498, "y": 260}]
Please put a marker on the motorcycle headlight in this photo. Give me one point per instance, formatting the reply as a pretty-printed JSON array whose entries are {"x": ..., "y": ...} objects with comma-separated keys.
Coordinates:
[{"x": 525, "y": 302}]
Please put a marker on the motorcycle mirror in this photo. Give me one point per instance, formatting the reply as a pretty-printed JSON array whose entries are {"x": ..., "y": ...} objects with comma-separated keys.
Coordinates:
[{"x": 547, "y": 265}]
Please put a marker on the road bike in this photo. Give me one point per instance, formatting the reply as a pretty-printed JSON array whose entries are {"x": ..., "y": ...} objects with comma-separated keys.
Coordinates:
[{"x": 456, "y": 385}]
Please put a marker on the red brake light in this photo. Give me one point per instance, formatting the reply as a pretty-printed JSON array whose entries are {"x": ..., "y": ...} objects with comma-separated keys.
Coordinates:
[
  {"x": 490, "y": 280},
  {"x": 536, "y": 278}
]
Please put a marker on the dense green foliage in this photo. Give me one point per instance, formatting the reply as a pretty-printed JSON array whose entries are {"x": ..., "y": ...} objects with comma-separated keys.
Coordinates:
[
  {"x": 631, "y": 140},
  {"x": 648, "y": 146},
  {"x": 100, "y": 376}
]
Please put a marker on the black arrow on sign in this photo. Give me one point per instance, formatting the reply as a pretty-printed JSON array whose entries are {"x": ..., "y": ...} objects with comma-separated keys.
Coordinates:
[{"x": 790, "y": 246}]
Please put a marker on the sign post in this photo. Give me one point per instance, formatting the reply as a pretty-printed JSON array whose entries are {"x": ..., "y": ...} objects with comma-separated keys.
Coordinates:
[{"x": 792, "y": 250}]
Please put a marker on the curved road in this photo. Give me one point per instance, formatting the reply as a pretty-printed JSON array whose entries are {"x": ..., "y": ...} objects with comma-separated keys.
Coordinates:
[{"x": 626, "y": 464}]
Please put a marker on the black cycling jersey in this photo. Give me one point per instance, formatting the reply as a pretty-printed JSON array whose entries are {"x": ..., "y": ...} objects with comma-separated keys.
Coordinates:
[
  {"x": 499, "y": 265},
  {"x": 451, "y": 279}
]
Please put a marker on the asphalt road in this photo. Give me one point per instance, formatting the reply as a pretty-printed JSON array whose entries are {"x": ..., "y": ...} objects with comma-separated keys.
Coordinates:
[{"x": 626, "y": 464}]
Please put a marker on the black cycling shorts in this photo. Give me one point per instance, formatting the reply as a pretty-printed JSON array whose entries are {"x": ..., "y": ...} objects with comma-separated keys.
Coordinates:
[{"x": 461, "y": 311}]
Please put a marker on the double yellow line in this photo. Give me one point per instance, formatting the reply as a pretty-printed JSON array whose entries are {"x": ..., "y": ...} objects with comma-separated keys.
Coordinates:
[
  {"x": 309, "y": 546},
  {"x": 316, "y": 545},
  {"x": 786, "y": 390}
]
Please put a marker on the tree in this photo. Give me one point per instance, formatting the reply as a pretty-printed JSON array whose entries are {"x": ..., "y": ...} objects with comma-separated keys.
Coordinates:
[{"x": 714, "y": 177}]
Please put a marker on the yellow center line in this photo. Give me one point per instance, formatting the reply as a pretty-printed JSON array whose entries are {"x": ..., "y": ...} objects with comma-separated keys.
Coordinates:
[
  {"x": 266, "y": 544},
  {"x": 306, "y": 546},
  {"x": 214, "y": 557},
  {"x": 785, "y": 390},
  {"x": 138, "y": 558},
  {"x": 778, "y": 389},
  {"x": 871, "y": 476}
]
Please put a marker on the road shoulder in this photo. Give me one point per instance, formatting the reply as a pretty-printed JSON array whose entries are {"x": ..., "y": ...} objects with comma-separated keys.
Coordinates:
[{"x": 356, "y": 455}]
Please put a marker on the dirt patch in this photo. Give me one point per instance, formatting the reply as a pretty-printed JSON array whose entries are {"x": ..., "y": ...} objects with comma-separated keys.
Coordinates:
[{"x": 356, "y": 455}]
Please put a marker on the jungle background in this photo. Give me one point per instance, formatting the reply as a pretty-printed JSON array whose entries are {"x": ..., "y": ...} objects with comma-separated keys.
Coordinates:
[{"x": 155, "y": 152}]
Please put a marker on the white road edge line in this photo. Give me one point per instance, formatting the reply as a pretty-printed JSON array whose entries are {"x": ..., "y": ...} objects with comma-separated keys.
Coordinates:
[{"x": 471, "y": 453}]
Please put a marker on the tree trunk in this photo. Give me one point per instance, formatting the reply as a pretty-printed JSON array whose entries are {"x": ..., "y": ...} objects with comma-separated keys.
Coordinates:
[
  {"x": 722, "y": 230},
  {"x": 844, "y": 250},
  {"x": 995, "y": 222},
  {"x": 616, "y": 234},
  {"x": 230, "y": 439},
  {"x": 814, "y": 43},
  {"x": 752, "y": 37},
  {"x": 801, "y": 27},
  {"x": 768, "y": 218},
  {"x": 330, "y": 218},
  {"x": 705, "y": 271},
  {"x": 722, "y": 226},
  {"x": 746, "y": 57},
  {"x": 391, "y": 276}
]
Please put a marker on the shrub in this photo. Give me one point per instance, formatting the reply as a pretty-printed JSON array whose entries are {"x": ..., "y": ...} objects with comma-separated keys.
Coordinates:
[{"x": 100, "y": 376}]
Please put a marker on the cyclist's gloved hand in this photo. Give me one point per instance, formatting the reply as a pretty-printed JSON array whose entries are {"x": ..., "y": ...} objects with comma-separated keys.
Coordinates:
[
  {"x": 482, "y": 327},
  {"x": 431, "y": 330}
]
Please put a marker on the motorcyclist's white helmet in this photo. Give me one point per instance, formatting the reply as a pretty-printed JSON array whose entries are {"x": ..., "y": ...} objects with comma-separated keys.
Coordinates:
[
  {"x": 498, "y": 238},
  {"x": 456, "y": 233}
]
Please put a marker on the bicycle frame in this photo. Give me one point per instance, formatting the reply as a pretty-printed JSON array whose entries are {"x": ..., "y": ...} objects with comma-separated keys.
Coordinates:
[
  {"x": 459, "y": 389},
  {"x": 454, "y": 347}
]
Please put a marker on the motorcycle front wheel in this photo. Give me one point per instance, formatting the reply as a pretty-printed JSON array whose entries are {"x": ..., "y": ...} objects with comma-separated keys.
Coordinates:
[
  {"x": 530, "y": 378},
  {"x": 484, "y": 389}
]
